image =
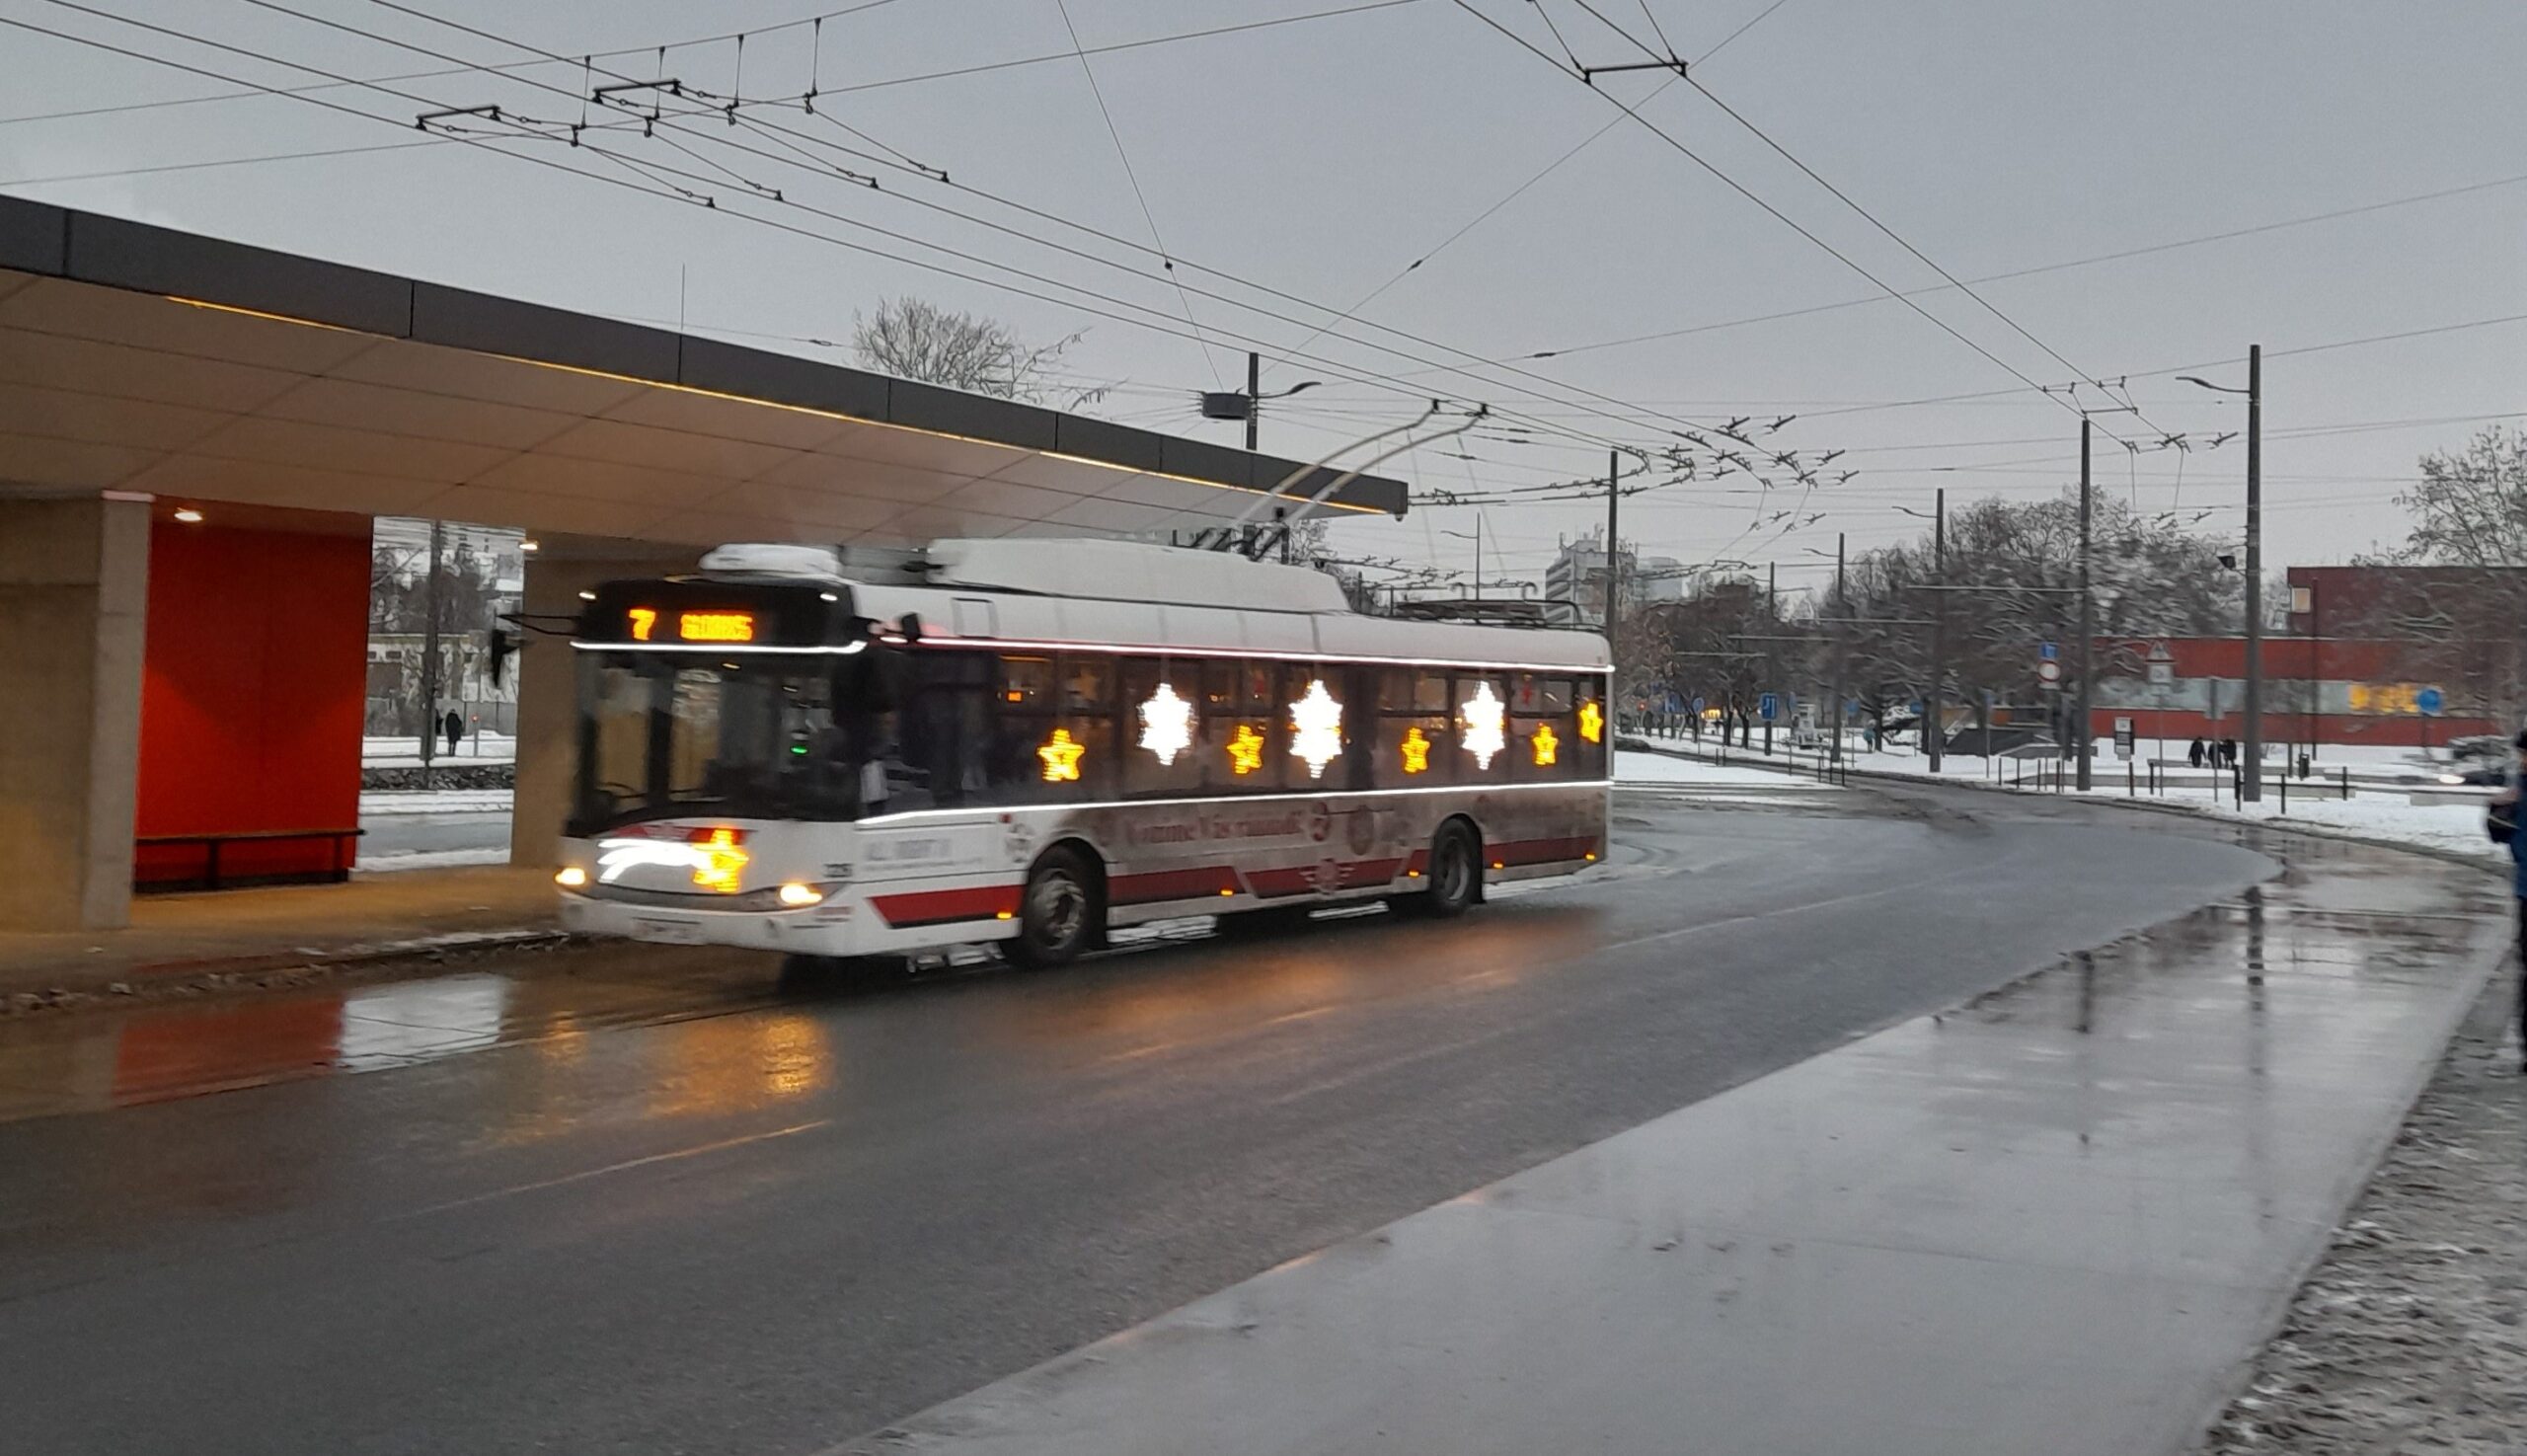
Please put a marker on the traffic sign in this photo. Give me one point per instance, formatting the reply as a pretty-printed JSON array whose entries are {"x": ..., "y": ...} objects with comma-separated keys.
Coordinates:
[
  {"x": 2124, "y": 737},
  {"x": 2048, "y": 651},
  {"x": 1768, "y": 707},
  {"x": 2429, "y": 700},
  {"x": 1698, "y": 705},
  {"x": 2049, "y": 672}
]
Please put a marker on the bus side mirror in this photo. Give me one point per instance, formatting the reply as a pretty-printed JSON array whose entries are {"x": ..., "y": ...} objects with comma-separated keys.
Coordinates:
[{"x": 910, "y": 626}]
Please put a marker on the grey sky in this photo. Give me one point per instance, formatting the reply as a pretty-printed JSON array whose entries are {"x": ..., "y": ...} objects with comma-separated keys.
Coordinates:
[{"x": 1320, "y": 158}]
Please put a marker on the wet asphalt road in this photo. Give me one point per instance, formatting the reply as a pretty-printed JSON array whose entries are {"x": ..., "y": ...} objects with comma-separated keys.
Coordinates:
[{"x": 637, "y": 1202}]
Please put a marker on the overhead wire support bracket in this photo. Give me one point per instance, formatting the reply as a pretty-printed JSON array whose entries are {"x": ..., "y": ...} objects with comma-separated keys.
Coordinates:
[
  {"x": 1590, "y": 74},
  {"x": 423, "y": 121}
]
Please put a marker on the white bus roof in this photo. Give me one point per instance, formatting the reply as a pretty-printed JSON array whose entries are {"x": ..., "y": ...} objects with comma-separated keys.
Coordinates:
[{"x": 1127, "y": 595}]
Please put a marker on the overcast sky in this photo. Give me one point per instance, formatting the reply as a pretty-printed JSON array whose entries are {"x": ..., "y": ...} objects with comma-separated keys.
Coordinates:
[{"x": 1320, "y": 159}]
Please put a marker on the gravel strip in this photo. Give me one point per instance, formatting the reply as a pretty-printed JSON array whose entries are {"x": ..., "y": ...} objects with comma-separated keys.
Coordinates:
[{"x": 2412, "y": 1334}]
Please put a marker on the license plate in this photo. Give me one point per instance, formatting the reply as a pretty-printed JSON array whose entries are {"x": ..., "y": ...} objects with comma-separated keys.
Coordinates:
[{"x": 672, "y": 932}]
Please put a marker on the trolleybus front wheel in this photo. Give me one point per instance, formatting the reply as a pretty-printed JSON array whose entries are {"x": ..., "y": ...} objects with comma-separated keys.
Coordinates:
[{"x": 1059, "y": 913}]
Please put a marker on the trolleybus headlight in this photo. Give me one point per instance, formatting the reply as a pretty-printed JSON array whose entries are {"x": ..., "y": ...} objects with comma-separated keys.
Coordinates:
[
  {"x": 570, "y": 877},
  {"x": 795, "y": 894}
]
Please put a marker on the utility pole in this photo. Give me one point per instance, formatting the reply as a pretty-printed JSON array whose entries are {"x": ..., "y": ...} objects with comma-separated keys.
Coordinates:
[
  {"x": 1614, "y": 582},
  {"x": 1934, "y": 715},
  {"x": 2251, "y": 791},
  {"x": 429, "y": 657},
  {"x": 1772, "y": 668},
  {"x": 1254, "y": 395},
  {"x": 2087, "y": 623},
  {"x": 1842, "y": 647},
  {"x": 1478, "y": 556}
]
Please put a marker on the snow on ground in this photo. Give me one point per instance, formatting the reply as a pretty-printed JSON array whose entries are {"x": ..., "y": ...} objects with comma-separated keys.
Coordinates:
[
  {"x": 373, "y": 802},
  {"x": 404, "y": 750},
  {"x": 433, "y": 858},
  {"x": 1632, "y": 766},
  {"x": 2381, "y": 811}
]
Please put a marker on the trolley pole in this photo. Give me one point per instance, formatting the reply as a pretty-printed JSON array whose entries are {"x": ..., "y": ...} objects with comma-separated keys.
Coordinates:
[{"x": 2087, "y": 623}]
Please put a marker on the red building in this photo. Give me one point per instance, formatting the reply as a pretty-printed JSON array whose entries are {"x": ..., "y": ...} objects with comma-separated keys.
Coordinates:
[{"x": 2316, "y": 690}]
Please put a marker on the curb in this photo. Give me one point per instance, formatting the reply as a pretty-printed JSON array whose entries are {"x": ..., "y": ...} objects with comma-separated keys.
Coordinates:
[{"x": 200, "y": 978}]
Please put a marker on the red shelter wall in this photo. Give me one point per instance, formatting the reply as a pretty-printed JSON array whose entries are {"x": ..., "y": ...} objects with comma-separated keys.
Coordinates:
[{"x": 251, "y": 696}]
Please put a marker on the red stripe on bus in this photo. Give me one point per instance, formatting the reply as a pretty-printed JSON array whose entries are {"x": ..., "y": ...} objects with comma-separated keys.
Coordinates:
[
  {"x": 945, "y": 906},
  {"x": 1540, "y": 851},
  {"x": 1170, "y": 885}
]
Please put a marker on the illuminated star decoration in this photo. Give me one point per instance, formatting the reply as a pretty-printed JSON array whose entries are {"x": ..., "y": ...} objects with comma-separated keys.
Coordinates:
[
  {"x": 1592, "y": 722},
  {"x": 1547, "y": 746},
  {"x": 1061, "y": 757},
  {"x": 1483, "y": 738},
  {"x": 717, "y": 861},
  {"x": 1315, "y": 729},
  {"x": 1166, "y": 724},
  {"x": 1244, "y": 751},
  {"x": 1417, "y": 751}
]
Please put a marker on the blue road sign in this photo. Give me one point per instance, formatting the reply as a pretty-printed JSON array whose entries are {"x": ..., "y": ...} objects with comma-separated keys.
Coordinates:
[
  {"x": 1917, "y": 707},
  {"x": 1768, "y": 707},
  {"x": 2429, "y": 700},
  {"x": 1699, "y": 705},
  {"x": 2048, "y": 652}
]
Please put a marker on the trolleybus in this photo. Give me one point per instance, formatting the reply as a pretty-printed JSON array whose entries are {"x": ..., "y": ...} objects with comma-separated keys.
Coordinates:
[{"x": 1029, "y": 742}]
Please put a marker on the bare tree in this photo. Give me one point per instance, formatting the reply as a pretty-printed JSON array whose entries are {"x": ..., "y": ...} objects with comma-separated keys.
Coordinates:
[
  {"x": 913, "y": 338},
  {"x": 2463, "y": 593}
]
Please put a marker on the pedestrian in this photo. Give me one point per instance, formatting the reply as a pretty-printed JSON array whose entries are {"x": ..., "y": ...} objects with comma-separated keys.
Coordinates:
[
  {"x": 2502, "y": 820},
  {"x": 454, "y": 725},
  {"x": 2228, "y": 753},
  {"x": 2193, "y": 753}
]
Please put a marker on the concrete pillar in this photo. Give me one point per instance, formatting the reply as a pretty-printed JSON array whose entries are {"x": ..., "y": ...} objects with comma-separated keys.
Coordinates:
[
  {"x": 548, "y": 745},
  {"x": 74, "y": 608}
]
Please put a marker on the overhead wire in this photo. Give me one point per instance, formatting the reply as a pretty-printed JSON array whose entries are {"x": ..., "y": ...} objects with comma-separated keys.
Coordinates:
[
  {"x": 1132, "y": 175},
  {"x": 1656, "y": 419}
]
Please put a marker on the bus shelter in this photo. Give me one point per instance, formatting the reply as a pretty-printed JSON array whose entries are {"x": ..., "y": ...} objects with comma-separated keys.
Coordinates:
[{"x": 195, "y": 434}]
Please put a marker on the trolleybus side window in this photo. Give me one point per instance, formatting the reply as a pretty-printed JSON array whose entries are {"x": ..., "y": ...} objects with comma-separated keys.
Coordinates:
[
  {"x": 1416, "y": 747},
  {"x": 1088, "y": 715},
  {"x": 1242, "y": 745},
  {"x": 1482, "y": 728},
  {"x": 1543, "y": 736},
  {"x": 945, "y": 728},
  {"x": 1594, "y": 729},
  {"x": 1316, "y": 722},
  {"x": 1161, "y": 708}
]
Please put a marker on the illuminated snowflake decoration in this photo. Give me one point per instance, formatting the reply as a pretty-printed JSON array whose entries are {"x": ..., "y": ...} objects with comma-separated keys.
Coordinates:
[
  {"x": 1483, "y": 736},
  {"x": 1592, "y": 722},
  {"x": 1315, "y": 729},
  {"x": 1166, "y": 724},
  {"x": 1417, "y": 751},
  {"x": 1547, "y": 747},
  {"x": 1061, "y": 755},
  {"x": 1244, "y": 751}
]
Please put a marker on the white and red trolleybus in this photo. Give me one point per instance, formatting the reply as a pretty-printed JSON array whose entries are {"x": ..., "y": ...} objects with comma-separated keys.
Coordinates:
[{"x": 1027, "y": 742}]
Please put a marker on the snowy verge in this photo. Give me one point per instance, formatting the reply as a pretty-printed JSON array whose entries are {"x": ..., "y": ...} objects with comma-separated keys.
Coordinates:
[
  {"x": 375, "y": 802},
  {"x": 433, "y": 859}
]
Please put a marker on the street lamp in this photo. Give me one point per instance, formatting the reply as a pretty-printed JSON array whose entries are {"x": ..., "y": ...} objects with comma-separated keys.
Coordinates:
[
  {"x": 1230, "y": 404},
  {"x": 2251, "y": 787}
]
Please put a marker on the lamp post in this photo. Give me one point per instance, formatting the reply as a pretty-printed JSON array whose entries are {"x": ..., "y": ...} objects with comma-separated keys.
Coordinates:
[
  {"x": 1477, "y": 539},
  {"x": 2250, "y": 786}
]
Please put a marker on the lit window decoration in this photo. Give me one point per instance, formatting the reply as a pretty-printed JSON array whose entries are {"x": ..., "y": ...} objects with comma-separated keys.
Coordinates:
[
  {"x": 1483, "y": 736},
  {"x": 1244, "y": 751},
  {"x": 1166, "y": 724},
  {"x": 1592, "y": 722},
  {"x": 1546, "y": 746},
  {"x": 1061, "y": 757},
  {"x": 718, "y": 861},
  {"x": 1315, "y": 729},
  {"x": 1417, "y": 751}
]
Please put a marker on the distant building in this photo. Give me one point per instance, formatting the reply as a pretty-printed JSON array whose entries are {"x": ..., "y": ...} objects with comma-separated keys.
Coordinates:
[
  {"x": 1574, "y": 585},
  {"x": 2316, "y": 690}
]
